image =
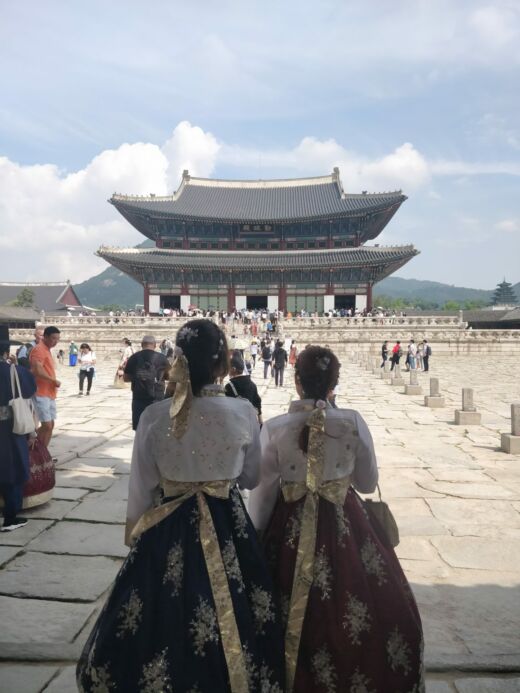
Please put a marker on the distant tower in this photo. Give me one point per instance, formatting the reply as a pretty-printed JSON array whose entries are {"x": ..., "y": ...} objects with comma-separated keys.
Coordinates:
[{"x": 504, "y": 295}]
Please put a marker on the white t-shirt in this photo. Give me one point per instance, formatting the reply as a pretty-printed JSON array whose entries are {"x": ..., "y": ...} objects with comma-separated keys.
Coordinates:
[{"x": 86, "y": 361}]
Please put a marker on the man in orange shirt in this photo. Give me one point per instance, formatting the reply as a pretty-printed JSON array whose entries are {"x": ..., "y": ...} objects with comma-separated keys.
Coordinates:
[{"x": 42, "y": 367}]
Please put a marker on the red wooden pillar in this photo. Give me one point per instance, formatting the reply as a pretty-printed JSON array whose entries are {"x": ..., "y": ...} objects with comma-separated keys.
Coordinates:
[
  {"x": 146, "y": 299},
  {"x": 282, "y": 298},
  {"x": 231, "y": 299},
  {"x": 369, "y": 297}
]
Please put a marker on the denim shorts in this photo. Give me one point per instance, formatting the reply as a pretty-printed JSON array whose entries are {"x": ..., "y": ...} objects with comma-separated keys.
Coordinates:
[{"x": 45, "y": 408}]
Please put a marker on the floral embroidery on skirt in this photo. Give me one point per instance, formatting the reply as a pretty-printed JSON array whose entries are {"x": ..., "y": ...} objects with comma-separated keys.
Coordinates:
[
  {"x": 362, "y": 631},
  {"x": 159, "y": 630}
]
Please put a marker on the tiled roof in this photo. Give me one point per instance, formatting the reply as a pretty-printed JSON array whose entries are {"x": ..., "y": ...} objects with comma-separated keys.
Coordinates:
[
  {"x": 240, "y": 259},
  {"x": 260, "y": 201},
  {"x": 47, "y": 296}
]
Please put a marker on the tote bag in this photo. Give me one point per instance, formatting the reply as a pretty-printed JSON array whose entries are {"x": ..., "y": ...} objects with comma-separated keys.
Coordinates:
[{"x": 23, "y": 414}]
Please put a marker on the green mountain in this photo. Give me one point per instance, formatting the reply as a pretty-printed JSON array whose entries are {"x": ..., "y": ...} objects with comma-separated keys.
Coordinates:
[{"x": 111, "y": 287}]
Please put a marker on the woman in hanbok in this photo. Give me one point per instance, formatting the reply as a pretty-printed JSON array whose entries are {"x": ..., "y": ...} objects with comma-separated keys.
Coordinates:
[
  {"x": 351, "y": 621},
  {"x": 293, "y": 354},
  {"x": 192, "y": 607}
]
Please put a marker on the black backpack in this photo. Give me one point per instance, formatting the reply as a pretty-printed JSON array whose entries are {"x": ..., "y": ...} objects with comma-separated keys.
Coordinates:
[
  {"x": 266, "y": 353},
  {"x": 146, "y": 380}
]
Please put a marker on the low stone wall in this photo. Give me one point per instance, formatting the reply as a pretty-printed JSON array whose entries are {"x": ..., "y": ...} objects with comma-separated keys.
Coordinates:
[{"x": 445, "y": 335}]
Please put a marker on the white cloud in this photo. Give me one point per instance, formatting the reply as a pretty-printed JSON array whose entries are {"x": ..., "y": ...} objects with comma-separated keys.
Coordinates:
[
  {"x": 61, "y": 219},
  {"x": 52, "y": 222},
  {"x": 508, "y": 225}
]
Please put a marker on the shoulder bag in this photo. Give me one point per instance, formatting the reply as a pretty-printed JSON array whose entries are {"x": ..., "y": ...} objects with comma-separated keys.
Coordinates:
[
  {"x": 23, "y": 412},
  {"x": 379, "y": 510}
]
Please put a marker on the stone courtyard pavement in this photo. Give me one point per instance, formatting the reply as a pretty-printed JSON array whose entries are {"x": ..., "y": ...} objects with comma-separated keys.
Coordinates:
[{"x": 455, "y": 495}]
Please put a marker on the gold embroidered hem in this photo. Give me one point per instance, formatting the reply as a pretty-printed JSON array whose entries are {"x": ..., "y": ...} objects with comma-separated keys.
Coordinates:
[
  {"x": 227, "y": 624},
  {"x": 334, "y": 491}
]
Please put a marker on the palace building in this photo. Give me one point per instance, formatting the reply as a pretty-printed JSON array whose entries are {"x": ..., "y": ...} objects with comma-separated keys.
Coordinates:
[{"x": 278, "y": 244}]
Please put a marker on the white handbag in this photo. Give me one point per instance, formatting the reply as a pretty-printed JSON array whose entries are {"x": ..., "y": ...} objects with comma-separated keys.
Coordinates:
[{"x": 23, "y": 412}]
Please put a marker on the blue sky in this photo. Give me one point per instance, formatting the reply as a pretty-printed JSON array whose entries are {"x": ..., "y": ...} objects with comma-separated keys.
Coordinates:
[{"x": 100, "y": 97}]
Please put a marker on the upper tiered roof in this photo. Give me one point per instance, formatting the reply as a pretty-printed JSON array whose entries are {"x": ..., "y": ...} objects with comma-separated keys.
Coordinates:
[{"x": 258, "y": 200}]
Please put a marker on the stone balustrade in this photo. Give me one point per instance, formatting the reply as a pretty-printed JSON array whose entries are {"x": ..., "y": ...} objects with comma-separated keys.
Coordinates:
[{"x": 446, "y": 336}]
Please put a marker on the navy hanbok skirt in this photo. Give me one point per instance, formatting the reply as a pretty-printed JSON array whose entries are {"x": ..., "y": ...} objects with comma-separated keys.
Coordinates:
[{"x": 159, "y": 632}]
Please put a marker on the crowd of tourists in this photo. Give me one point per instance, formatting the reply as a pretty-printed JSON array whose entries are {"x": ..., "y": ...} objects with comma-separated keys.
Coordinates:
[
  {"x": 254, "y": 563},
  {"x": 416, "y": 356},
  {"x": 300, "y": 589}
]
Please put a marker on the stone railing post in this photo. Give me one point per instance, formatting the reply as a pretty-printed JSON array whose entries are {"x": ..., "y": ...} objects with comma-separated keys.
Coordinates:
[
  {"x": 434, "y": 400},
  {"x": 413, "y": 388},
  {"x": 510, "y": 442},
  {"x": 468, "y": 415},
  {"x": 397, "y": 378}
]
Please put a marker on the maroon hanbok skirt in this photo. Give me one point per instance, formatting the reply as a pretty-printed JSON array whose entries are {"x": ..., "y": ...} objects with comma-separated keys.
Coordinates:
[
  {"x": 42, "y": 476},
  {"x": 362, "y": 630}
]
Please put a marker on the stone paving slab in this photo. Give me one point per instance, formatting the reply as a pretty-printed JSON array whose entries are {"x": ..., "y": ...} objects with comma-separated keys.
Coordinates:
[
  {"x": 82, "y": 539},
  {"x": 26, "y": 678},
  {"x": 41, "y": 575},
  {"x": 37, "y": 620},
  {"x": 8, "y": 552},
  {"x": 64, "y": 682},
  {"x": 53, "y": 510},
  {"x": 479, "y": 553},
  {"x": 25, "y": 534},
  {"x": 88, "y": 480},
  {"x": 68, "y": 493},
  {"x": 487, "y": 685},
  {"x": 98, "y": 509}
]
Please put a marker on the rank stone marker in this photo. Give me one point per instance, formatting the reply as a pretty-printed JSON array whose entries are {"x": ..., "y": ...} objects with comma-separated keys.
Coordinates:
[
  {"x": 397, "y": 378},
  {"x": 413, "y": 388},
  {"x": 468, "y": 415},
  {"x": 434, "y": 400},
  {"x": 510, "y": 442}
]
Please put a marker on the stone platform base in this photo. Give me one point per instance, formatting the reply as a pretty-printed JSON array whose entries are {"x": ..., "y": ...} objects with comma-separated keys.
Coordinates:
[
  {"x": 397, "y": 381},
  {"x": 510, "y": 443},
  {"x": 467, "y": 418},
  {"x": 434, "y": 402},
  {"x": 412, "y": 390}
]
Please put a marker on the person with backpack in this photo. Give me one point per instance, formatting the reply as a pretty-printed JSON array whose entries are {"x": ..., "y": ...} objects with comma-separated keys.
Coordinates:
[
  {"x": 397, "y": 352},
  {"x": 146, "y": 370},
  {"x": 279, "y": 363},
  {"x": 427, "y": 352},
  {"x": 267, "y": 356},
  {"x": 22, "y": 354}
]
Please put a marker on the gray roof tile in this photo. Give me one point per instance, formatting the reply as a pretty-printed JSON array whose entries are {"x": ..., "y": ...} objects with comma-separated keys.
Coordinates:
[{"x": 260, "y": 201}]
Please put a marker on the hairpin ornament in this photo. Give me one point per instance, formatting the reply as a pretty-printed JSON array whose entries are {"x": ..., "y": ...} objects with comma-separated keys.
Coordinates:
[
  {"x": 323, "y": 362},
  {"x": 186, "y": 333}
]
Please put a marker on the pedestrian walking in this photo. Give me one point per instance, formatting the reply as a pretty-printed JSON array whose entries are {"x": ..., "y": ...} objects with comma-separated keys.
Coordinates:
[
  {"x": 73, "y": 354},
  {"x": 47, "y": 385},
  {"x": 351, "y": 621},
  {"x": 384, "y": 354},
  {"x": 279, "y": 362},
  {"x": 267, "y": 356},
  {"x": 427, "y": 352},
  {"x": 241, "y": 385},
  {"x": 87, "y": 367},
  {"x": 397, "y": 352},
  {"x": 146, "y": 370},
  {"x": 293, "y": 353}
]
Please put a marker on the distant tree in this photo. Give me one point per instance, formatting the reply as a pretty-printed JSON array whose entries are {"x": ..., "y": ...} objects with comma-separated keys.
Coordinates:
[
  {"x": 474, "y": 305},
  {"x": 25, "y": 299},
  {"x": 451, "y": 305},
  {"x": 115, "y": 307}
]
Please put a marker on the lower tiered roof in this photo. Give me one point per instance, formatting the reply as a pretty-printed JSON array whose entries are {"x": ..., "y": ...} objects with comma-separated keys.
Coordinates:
[{"x": 137, "y": 261}]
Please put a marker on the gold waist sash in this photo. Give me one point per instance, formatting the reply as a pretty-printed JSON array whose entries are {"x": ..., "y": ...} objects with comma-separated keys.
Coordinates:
[
  {"x": 231, "y": 643},
  {"x": 334, "y": 491}
]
